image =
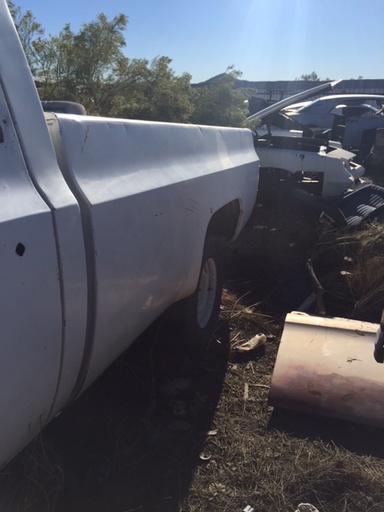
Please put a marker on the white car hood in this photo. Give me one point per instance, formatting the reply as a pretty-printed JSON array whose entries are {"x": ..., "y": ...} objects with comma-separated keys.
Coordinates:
[{"x": 292, "y": 99}]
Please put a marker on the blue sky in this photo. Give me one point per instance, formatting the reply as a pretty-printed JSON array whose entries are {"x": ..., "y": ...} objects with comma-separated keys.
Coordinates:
[{"x": 265, "y": 40}]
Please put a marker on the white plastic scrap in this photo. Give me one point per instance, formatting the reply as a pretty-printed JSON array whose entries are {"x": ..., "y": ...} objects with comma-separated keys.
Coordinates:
[
  {"x": 248, "y": 508},
  {"x": 252, "y": 344},
  {"x": 306, "y": 507}
]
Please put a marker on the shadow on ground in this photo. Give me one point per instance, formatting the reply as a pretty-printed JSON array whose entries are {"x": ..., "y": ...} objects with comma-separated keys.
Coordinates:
[
  {"x": 132, "y": 441},
  {"x": 360, "y": 439}
]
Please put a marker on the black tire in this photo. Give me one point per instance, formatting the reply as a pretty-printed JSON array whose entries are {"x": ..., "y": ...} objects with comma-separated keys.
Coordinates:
[{"x": 197, "y": 316}]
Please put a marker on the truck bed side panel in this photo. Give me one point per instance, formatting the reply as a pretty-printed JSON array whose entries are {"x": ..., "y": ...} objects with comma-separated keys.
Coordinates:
[{"x": 148, "y": 191}]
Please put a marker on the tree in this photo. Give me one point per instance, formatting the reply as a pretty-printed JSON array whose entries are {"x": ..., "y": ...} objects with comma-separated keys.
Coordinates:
[
  {"x": 312, "y": 77},
  {"x": 156, "y": 93},
  {"x": 82, "y": 67},
  {"x": 220, "y": 103},
  {"x": 89, "y": 67},
  {"x": 124, "y": 96},
  {"x": 30, "y": 33},
  {"x": 170, "y": 97}
]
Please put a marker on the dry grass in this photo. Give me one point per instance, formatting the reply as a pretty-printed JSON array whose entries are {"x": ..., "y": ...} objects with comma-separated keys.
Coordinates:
[
  {"x": 351, "y": 269},
  {"x": 33, "y": 477},
  {"x": 157, "y": 433}
]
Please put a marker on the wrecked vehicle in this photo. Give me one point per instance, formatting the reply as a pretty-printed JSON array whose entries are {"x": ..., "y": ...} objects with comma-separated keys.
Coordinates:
[
  {"x": 105, "y": 224},
  {"x": 292, "y": 156},
  {"x": 309, "y": 164},
  {"x": 351, "y": 119},
  {"x": 320, "y": 113}
]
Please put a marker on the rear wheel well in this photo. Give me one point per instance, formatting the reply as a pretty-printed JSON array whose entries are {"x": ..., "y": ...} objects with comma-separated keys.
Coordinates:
[{"x": 224, "y": 222}]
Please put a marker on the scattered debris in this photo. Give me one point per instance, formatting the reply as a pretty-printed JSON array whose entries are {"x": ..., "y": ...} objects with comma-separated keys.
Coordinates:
[
  {"x": 205, "y": 456},
  {"x": 246, "y": 391},
  {"x": 255, "y": 342},
  {"x": 306, "y": 507}
]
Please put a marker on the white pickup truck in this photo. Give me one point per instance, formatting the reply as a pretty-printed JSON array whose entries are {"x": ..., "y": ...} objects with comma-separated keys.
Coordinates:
[{"x": 104, "y": 224}]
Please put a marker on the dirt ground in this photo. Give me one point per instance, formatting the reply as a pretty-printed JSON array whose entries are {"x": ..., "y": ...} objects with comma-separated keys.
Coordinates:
[{"x": 158, "y": 432}]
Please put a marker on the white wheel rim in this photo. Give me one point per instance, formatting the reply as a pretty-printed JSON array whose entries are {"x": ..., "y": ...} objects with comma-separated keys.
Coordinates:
[{"x": 207, "y": 293}]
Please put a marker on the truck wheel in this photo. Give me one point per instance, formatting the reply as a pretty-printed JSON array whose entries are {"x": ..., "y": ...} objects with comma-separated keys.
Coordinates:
[{"x": 201, "y": 310}]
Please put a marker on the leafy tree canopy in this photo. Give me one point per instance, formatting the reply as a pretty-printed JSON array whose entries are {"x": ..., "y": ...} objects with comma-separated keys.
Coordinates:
[
  {"x": 89, "y": 67},
  {"x": 30, "y": 33},
  {"x": 220, "y": 103}
]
